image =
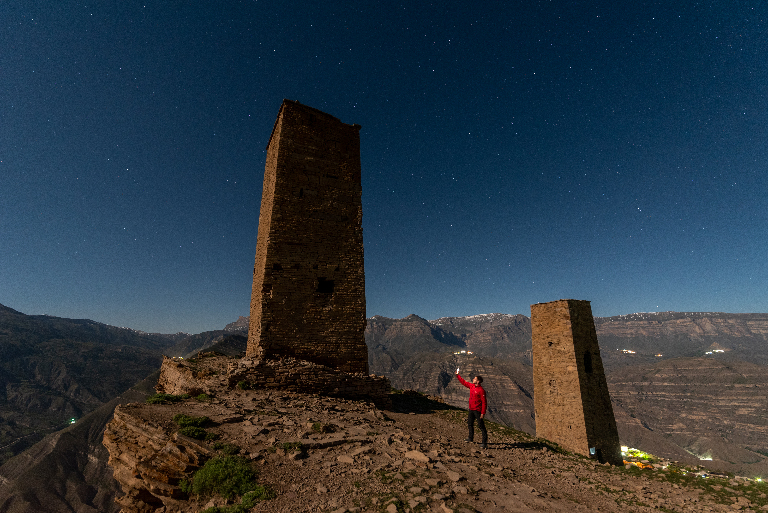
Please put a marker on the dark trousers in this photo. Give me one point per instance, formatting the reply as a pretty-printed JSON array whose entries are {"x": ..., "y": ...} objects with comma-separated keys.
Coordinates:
[{"x": 480, "y": 424}]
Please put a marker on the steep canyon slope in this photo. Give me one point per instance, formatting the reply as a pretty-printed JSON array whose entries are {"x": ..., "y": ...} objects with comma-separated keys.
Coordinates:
[
  {"x": 67, "y": 470},
  {"x": 54, "y": 370}
]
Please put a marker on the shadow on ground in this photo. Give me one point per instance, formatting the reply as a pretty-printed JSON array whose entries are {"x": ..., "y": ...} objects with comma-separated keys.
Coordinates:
[{"x": 410, "y": 401}]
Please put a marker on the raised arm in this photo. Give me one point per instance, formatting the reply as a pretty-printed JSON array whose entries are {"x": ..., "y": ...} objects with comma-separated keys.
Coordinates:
[{"x": 461, "y": 380}]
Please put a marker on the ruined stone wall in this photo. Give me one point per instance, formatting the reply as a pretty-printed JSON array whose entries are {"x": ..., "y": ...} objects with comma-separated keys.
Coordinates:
[
  {"x": 291, "y": 375},
  {"x": 571, "y": 399},
  {"x": 212, "y": 374},
  {"x": 308, "y": 296}
]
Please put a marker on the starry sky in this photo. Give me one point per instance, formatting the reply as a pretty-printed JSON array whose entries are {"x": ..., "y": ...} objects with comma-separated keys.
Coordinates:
[{"x": 512, "y": 152}]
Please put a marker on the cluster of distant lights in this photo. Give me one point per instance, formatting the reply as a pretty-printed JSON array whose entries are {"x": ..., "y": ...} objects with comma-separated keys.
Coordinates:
[
  {"x": 640, "y": 454},
  {"x": 637, "y": 453},
  {"x": 629, "y": 351}
]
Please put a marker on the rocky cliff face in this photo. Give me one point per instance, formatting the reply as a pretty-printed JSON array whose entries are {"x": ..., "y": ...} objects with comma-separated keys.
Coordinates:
[
  {"x": 708, "y": 407},
  {"x": 675, "y": 334},
  {"x": 149, "y": 460},
  {"x": 494, "y": 335},
  {"x": 240, "y": 325}
]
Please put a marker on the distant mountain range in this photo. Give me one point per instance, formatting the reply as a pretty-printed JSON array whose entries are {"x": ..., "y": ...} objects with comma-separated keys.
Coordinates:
[
  {"x": 676, "y": 334},
  {"x": 684, "y": 385},
  {"x": 624, "y": 339}
]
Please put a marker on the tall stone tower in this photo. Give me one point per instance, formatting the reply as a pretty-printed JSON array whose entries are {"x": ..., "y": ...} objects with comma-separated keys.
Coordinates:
[
  {"x": 573, "y": 407},
  {"x": 308, "y": 296}
]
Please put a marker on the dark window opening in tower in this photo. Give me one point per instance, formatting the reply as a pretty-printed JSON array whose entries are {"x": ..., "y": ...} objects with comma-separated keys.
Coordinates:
[{"x": 324, "y": 286}]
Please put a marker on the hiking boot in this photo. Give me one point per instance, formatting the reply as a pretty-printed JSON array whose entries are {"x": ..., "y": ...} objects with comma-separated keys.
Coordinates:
[
  {"x": 483, "y": 446},
  {"x": 468, "y": 440}
]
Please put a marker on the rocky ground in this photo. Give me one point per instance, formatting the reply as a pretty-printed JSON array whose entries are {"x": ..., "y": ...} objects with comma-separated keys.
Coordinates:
[{"x": 334, "y": 455}]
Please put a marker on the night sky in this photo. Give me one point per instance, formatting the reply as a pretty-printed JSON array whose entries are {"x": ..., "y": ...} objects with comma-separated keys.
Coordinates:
[{"x": 512, "y": 152}]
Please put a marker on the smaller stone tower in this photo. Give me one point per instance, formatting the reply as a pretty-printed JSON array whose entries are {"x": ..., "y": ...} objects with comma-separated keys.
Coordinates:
[{"x": 573, "y": 407}]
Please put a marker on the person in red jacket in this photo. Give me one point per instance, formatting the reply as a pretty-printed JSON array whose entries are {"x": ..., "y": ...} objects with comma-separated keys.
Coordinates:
[{"x": 477, "y": 405}]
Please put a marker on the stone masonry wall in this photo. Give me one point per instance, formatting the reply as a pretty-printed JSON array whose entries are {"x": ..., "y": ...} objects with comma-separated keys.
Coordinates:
[
  {"x": 289, "y": 374},
  {"x": 211, "y": 373},
  {"x": 571, "y": 399},
  {"x": 308, "y": 296}
]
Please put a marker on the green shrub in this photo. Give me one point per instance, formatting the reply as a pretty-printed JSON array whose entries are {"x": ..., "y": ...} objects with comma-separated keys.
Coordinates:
[
  {"x": 203, "y": 397},
  {"x": 227, "y": 476},
  {"x": 243, "y": 385},
  {"x": 198, "y": 433},
  {"x": 323, "y": 428},
  {"x": 160, "y": 398},
  {"x": 259, "y": 493},
  {"x": 185, "y": 420},
  {"x": 226, "y": 448},
  {"x": 195, "y": 432},
  {"x": 292, "y": 446},
  {"x": 250, "y": 499}
]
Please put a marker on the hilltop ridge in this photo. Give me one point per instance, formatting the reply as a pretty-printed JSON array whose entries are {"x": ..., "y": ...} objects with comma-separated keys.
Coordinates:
[{"x": 317, "y": 453}]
